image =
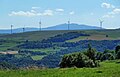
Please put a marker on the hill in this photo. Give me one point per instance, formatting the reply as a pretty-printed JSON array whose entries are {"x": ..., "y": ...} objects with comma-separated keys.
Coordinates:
[
  {"x": 33, "y": 35},
  {"x": 72, "y": 26},
  {"x": 18, "y": 30},
  {"x": 40, "y": 35},
  {"x": 47, "y": 47}
]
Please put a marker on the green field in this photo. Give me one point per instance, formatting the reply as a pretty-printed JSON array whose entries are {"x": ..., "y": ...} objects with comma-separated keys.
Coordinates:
[
  {"x": 38, "y": 57},
  {"x": 32, "y": 36},
  {"x": 46, "y": 50},
  {"x": 40, "y": 35},
  {"x": 107, "y": 69}
]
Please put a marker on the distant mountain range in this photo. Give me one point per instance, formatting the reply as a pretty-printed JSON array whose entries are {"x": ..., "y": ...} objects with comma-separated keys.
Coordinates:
[{"x": 72, "y": 26}]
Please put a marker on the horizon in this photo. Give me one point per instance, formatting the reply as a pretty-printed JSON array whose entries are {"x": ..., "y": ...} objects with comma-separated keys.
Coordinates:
[
  {"x": 57, "y": 26},
  {"x": 28, "y": 13},
  {"x": 54, "y": 26}
]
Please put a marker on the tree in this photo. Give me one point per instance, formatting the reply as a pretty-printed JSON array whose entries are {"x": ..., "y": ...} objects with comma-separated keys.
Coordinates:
[
  {"x": 118, "y": 55},
  {"x": 78, "y": 60},
  {"x": 6, "y": 65},
  {"x": 99, "y": 55},
  {"x": 91, "y": 53},
  {"x": 117, "y": 49},
  {"x": 107, "y": 56}
]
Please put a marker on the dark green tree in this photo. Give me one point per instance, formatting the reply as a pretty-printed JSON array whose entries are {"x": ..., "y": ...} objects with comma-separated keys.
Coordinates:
[
  {"x": 91, "y": 53},
  {"x": 107, "y": 56},
  {"x": 117, "y": 49},
  {"x": 99, "y": 55},
  {"x": 78, "y": 60},
  {"x": 118, "y": 55}
]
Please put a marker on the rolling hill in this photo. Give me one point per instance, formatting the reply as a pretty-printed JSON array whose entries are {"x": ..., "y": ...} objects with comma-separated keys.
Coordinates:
[
  {"x": 18, "y": 30},
  {"x": 46, "y": 48},
  {"x": 72, "y": 26}
]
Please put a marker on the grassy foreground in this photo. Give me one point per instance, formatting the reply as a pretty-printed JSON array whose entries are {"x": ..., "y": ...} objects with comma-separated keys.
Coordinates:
[{"x": 107, "y": 69}]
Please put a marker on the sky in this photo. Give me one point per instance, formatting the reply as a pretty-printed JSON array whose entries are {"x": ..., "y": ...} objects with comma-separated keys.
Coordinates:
[{"x": 28, "y": 13}]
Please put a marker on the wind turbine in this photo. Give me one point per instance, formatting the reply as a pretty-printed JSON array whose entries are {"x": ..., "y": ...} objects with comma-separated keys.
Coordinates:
[
  {"x": 40, "y": 24},
  {"x": 101, "y": 23},
  {"x": 69, "y": 24},
  {"x": 23, "y": 29},
  {"x": 11, "y": 29}
]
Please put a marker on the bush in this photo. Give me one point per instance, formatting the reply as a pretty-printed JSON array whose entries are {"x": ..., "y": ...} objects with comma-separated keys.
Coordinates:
[
  {"x": 99, "y": 55},
  {"x": 118, "y": 55},
  {"x": 90, "y": 63},
  {"x": 77, "y": 60},
  {"x": 107, "y": 56},
  {"x": 80, "y": 60},
  {"x": 112, "y": 57},
  {"x": 71, "y": 60},
  {"x": 91, "y": 52},
  {"x": 117, "y": 49},
  {"x": 109, "y": 51},
  {"x": 6, "y": 65}
]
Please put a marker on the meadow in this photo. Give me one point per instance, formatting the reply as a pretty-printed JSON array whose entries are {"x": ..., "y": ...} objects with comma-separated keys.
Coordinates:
[{"x": 107, "y": 69}]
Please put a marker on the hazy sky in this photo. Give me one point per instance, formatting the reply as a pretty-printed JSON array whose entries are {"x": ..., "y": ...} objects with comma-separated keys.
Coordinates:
[{"x": 52, "y": 12}]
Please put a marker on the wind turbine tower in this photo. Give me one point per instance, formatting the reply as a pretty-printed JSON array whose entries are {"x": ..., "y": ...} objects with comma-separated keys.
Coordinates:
[
  {"x": 69, "y": 25},
  {"x": 40, "y": 24},
  {"x": 23, "y": 29},
  {"x": 11, "y": 29},
  {"x": 101, "y": 23}
]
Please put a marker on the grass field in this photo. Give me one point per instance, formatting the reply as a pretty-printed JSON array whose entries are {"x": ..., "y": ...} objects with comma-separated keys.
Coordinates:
[
  {"x": 47, "y": 50},
  {"x": 40, "y": 35},
  {"x": 38, "y": 57},
  {"x": 107, "y": 69},
  {"x": 34, "y": 35}
]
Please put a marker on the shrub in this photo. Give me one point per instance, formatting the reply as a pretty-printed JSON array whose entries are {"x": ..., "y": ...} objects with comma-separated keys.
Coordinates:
[
  {"x": 107, "y": 56},
  {"x": 80, "y": 60},
  {"x": 103, "y": 57},
  {"x": 90, "y": 63},
  {"x": 6, "y": 65},
  {"x": 109, "y": 51},
  {"x": 77, "y": 60},
  {"x": 117, "y": 49},
  {"x": 91, "y": 52},
  {"x": 112, "y": 57},
  {"x": 118, "y": 55},
  {"x": 99, "y": 55}
]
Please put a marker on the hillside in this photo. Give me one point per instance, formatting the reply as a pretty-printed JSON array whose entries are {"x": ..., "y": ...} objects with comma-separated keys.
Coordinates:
[
  {"x": 72, "y": 26},
  {"x": 40, "y": 35},
  {"x": 46, "y": 47},
  {"x": 12, "y": 40},
  {"x": 34, "y": 35},
  {"x": 18, "y": 30},
  {"x": 107, "y": 69}
]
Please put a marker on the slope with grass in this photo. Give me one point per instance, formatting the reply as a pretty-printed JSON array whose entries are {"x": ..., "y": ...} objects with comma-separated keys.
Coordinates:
[
  {"x": 32, "y": 36},
  {"x": 107, "y": 69},
  {"x": 40, "y": 35},
  {"x": 57, "y": 44}
]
